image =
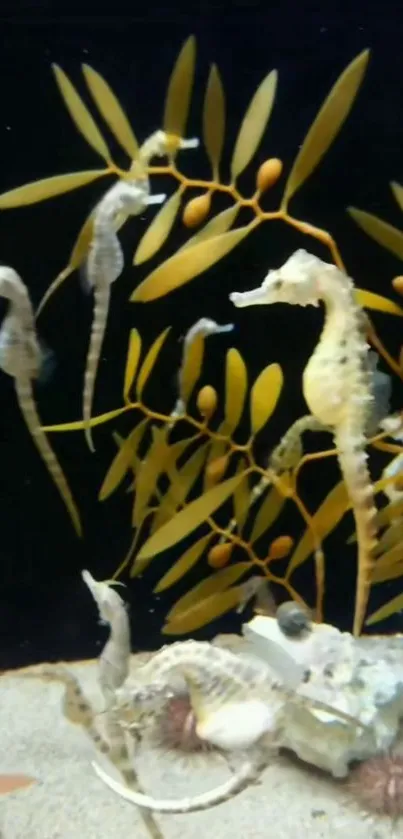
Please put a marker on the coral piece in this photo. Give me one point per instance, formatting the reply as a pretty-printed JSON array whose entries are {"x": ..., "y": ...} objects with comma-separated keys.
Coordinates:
[{"x": 363, "y": 678}]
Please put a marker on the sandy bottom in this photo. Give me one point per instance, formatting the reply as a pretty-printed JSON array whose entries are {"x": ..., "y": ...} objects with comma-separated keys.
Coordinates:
[{"x": 70, "y": 802}]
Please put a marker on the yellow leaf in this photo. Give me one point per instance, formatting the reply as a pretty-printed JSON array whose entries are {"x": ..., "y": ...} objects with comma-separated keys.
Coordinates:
[
  {"x": 47, "y": 188},
  {"x": 236, "y": 384},
  {"x": 111, "y": 110},
  {"x": 214, "y": 120},
  {"x": 191, "y": 368},
  {"x": 152, "y": 466},
  {"x": 80, "y": 114},
  {"x": 386, "y": 611},
  {"x": 149, "y": 362},
  {"x": 397, "y": 190},
  {"x": 177, "y": 99},
  {"x": 122, "y": 462},
  {"x": 181, "y": 482},
  {"x": 183, "y": 565},
  {"x": 217, "y": 449},
  {"x": 385, "y": 234},
  {"x": 132, "y": 361},
  {"x": 369, "y": 300},
  {"x": 159, "y": 229},
  {"x": 269, "y": 511},
  {"x": 187, "y": 264},
  {"x": 241, "y": 498},
  {"x": 204, "y": 612},
  {"x": 389, "y": 566},
  {"x": 327, "y": 124},
  {"x": 254, "y": 124},
  {"x": 188, "y": 519},
  {"x": 219, "y": 581},
  {"x": 264, "y": 396},
  {"x": 79, "y": 425},
  {"x": 217, "y": 225},
  {"x": 324, "y": 521}
]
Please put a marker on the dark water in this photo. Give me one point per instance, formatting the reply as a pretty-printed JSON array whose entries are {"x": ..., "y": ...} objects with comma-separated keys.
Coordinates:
[{"x": 45, "y": 611}]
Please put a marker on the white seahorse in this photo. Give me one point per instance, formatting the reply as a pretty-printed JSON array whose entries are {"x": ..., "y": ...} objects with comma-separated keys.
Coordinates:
[{"x": 21, "y": 358}]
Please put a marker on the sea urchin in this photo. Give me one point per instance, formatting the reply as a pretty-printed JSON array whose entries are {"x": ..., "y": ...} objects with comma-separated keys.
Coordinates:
[
  {"x": 377, "y": 785},
  {"x": 176, "y": 727}
]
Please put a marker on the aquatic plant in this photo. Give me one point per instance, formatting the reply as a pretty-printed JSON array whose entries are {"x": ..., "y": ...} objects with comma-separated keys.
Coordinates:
[{"x": 191, "y": 476}]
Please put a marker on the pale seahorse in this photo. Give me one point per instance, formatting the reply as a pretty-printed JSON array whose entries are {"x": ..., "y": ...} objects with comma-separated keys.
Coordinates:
[
  {"x": 337, "y": 385},
  {"x": 21, "y": 357},
  {"x": 104, "y": 265}
]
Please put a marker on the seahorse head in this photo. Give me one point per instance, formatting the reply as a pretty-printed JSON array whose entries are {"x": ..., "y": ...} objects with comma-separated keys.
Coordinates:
[{"x": 295, "y": 282}]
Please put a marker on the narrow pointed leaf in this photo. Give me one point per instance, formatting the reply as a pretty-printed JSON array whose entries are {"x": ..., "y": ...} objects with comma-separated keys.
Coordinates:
[
  {"x": 111, "y": 110},
  {"x": 385, "y": 234},
  {"x": 254, "y": 124},
  {"x": 79, "y": 424},
  {"x": 264, "y": 396},
  {"x": 219, "y": 581},
  {"x": 269, "y": 511},
  {"x": 188, "y": 519},
  {"x": 80, "y": 114},
  {"x": 397, "y": 190},
  {"x": 369, "y": 300},
  {"x": 182, "y": 481},
  {"x": 191, "y": 367},
  {"x": 133, "y": 357},
  {"x": 183, "y": 565},
  {"x": 204, "y": 612},
  {"x": 149, "y": 362},
  {"x": 187, "y": 264},
  {"x": 177, "y": 99},
  {"x": 386, "y": 611},
  {"x": 214, "y": 120},
  {"x": 37, "y": 191},
  {"x": 152, "y": 466},
  {"x": 217, "y": 225},
  {"x": 325, "y": 520},
  {"x": 122, "y": 461},
  {"x": 241, "y": 498},
  {"x": 236, "y": 384},
  {"x": 159, "y": 229},
  {"x": 217, "y": 449},
  {"x": 385, "y": 573},
  {"x": 327, "y": 124}
]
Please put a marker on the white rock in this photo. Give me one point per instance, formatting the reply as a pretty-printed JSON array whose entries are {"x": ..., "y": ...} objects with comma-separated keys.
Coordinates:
[{"x": 363, "y": 678}]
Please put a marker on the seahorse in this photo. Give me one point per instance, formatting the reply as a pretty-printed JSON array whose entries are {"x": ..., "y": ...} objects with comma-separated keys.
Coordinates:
[
  {"x": 104, "y": 265},
  {"x": 337, "y": 385},
  {"x": 21, "y": 357}
]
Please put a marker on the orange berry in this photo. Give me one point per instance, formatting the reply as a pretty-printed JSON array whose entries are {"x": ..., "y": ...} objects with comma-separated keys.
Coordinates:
[
  {"x": 216, "y": 469},
  {"x": 281, "y": 547},
  {"x": 398, "y": 284},
  {"x": 219, "y": 555},
  {"x": 268, "y": 173},
  {"x": 207, "y": 401},
  {"x": 196, "y": 210}
]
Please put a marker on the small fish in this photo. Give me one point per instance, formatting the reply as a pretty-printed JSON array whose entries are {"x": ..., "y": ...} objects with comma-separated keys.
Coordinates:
[
  {"x": 21, "y": 357},
  {"x": 104, "y": 265},
  {"x": 13, "y": 783}
]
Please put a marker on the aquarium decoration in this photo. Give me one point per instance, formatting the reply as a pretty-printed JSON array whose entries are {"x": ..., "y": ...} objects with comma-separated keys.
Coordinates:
[{"x": 190, "y": 476}]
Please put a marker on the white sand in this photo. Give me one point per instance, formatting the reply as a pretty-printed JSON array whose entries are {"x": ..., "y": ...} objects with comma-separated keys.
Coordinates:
[{"x": 70, "y": 802}]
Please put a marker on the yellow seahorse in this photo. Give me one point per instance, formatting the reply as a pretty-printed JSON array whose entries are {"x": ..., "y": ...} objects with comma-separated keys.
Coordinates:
[
  {"x": 337, "y": 385},
  {"x": 21, "y": 358}
]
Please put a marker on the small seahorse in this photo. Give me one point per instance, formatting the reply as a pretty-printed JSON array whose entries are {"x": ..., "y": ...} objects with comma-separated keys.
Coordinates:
[
  {"x": 21, "y": 358},
  {"x": 104, "y": 265},
  {"x": 337, "y": 384}
]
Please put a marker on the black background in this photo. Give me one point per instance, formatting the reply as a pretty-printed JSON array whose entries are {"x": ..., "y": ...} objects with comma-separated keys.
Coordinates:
[{"x": 45, "y": 611}]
